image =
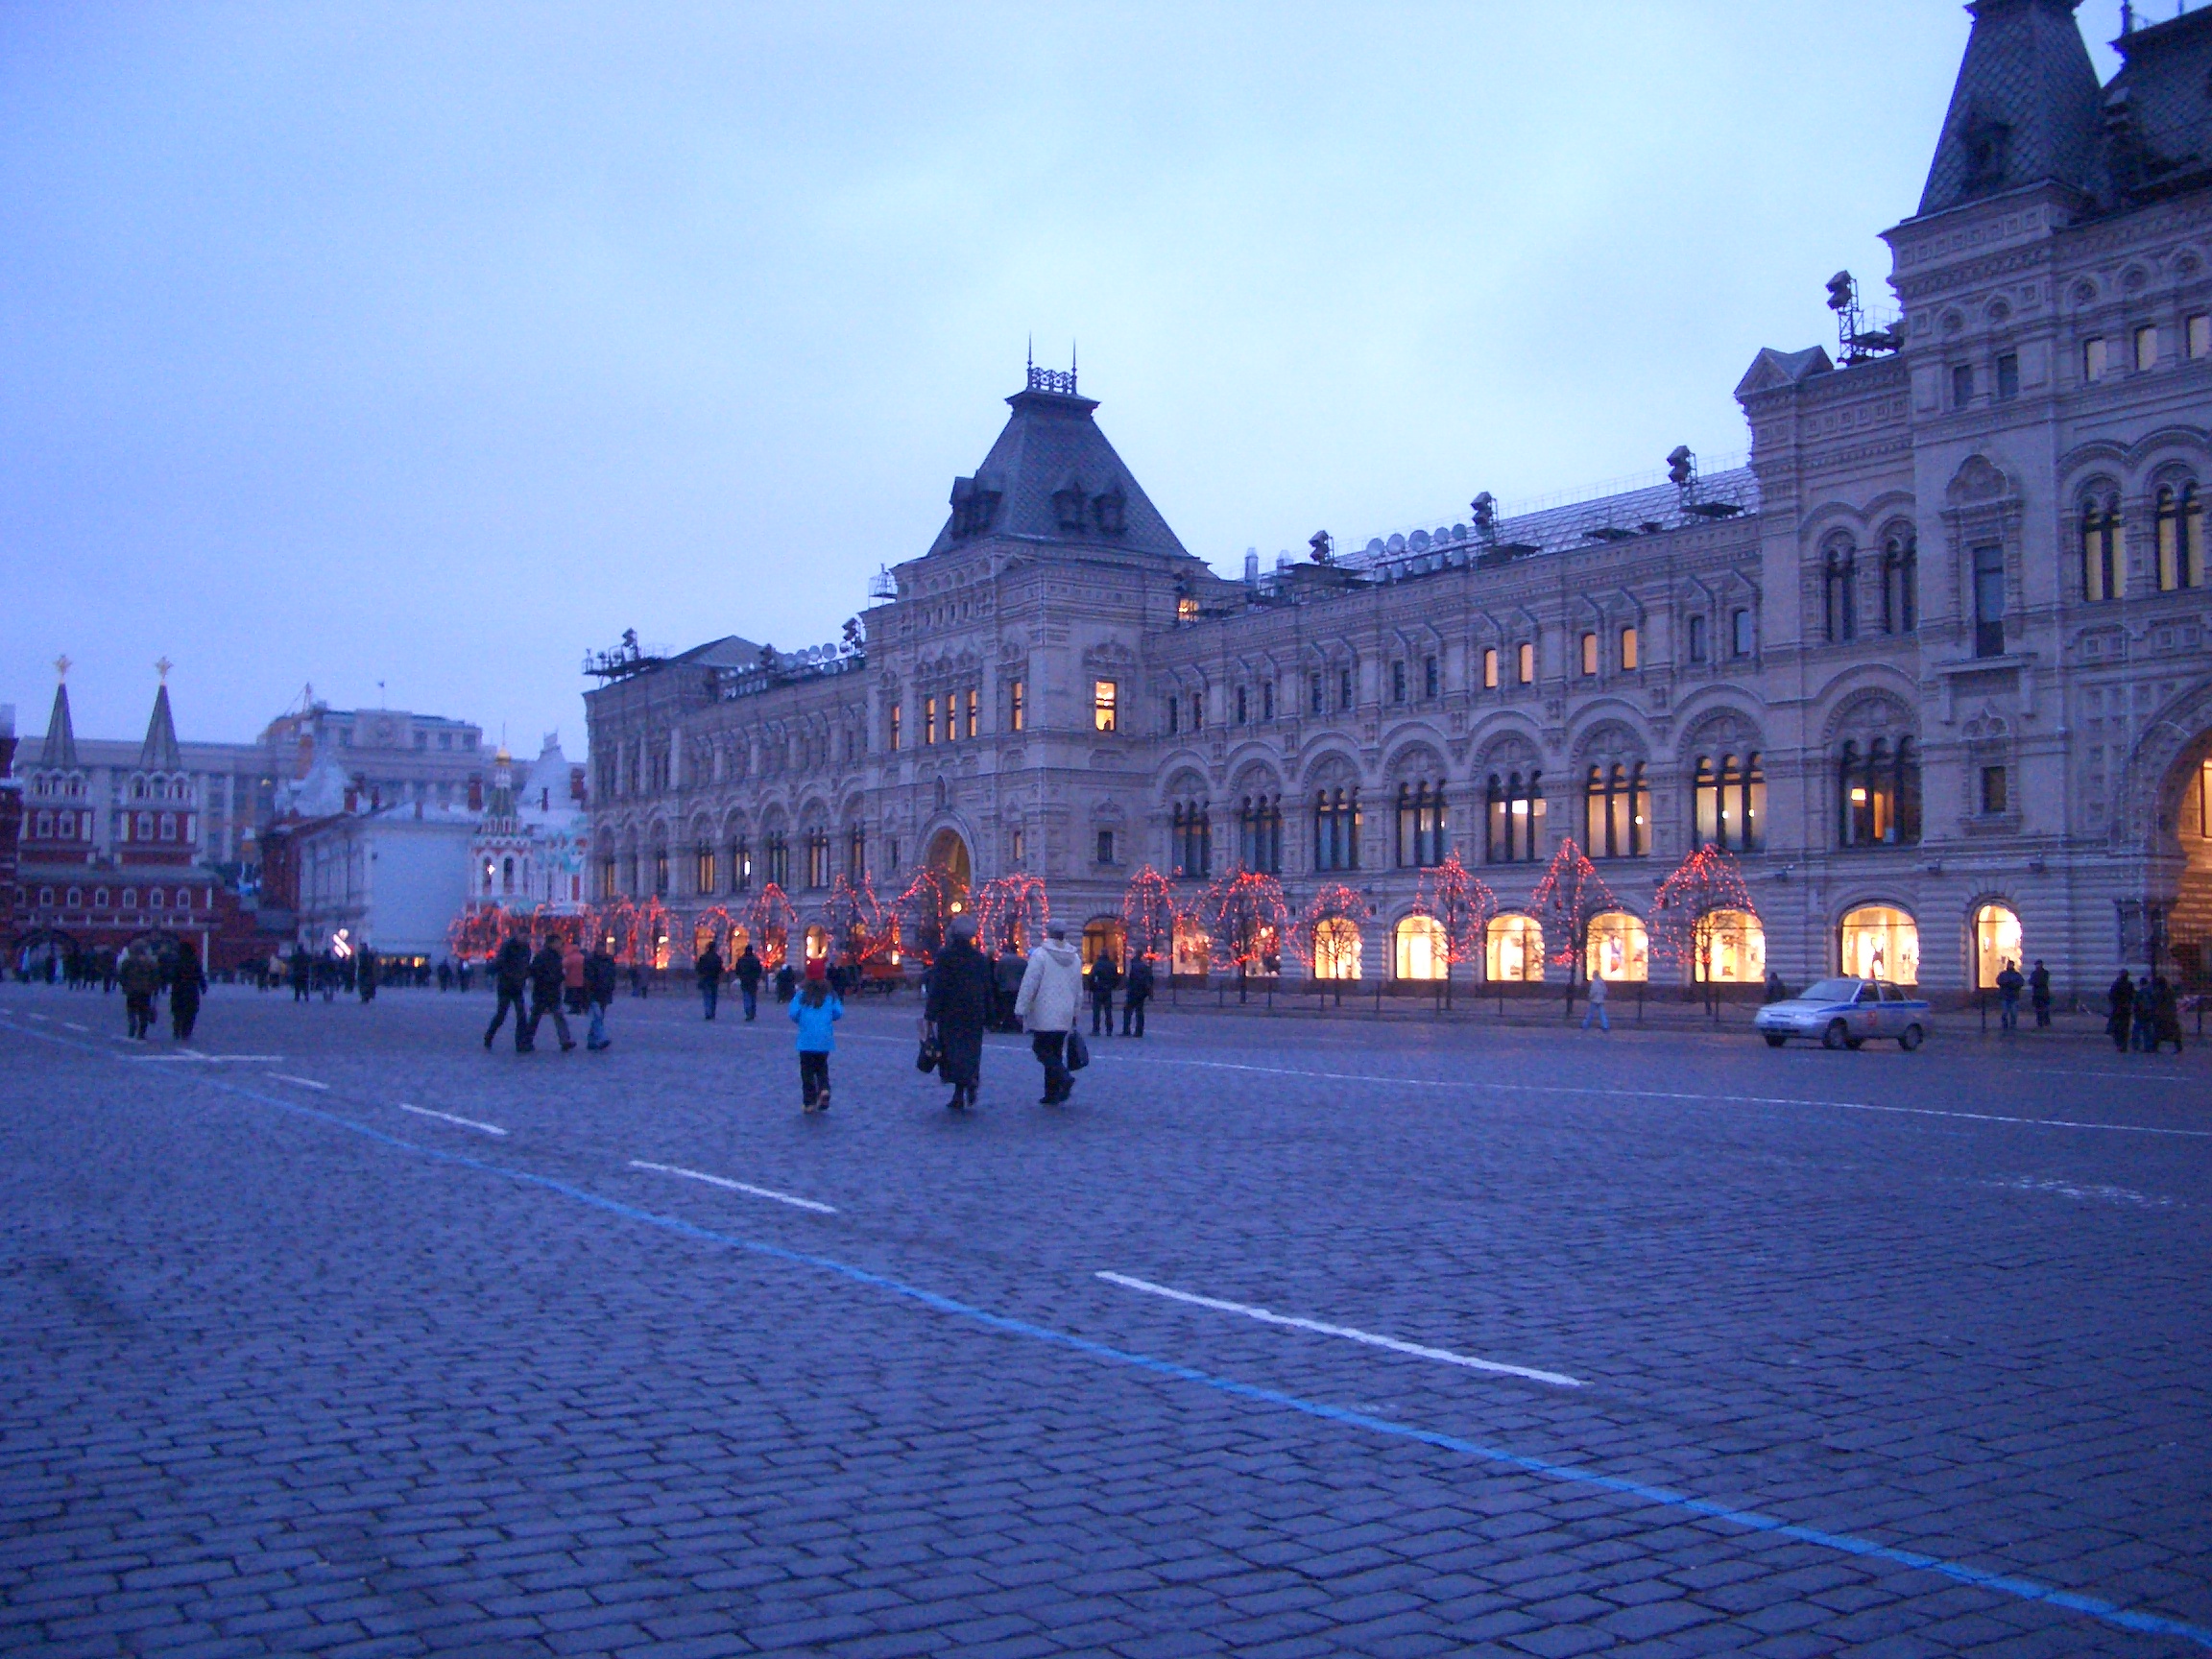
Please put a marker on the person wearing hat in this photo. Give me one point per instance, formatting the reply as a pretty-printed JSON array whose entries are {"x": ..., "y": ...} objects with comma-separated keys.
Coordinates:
[
  {"x": 815, "y": 1011},
  {"x": 1051, "y": 991}
]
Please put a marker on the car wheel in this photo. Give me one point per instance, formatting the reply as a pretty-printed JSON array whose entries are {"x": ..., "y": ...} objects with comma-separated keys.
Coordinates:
[
  {"x": 1909, "y": 1038},
  {"x": 1775, "y": 1042},
  {"x": 1835, "y": 1037}
]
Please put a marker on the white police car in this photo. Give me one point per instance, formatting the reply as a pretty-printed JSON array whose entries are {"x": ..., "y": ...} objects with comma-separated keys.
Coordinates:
[{"x": 1843, "y": 1013}]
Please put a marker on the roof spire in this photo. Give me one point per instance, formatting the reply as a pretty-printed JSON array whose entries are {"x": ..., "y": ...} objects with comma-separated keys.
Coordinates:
[
  {"x": 2026, "y": 108},
  {"x": 60, "y": 747},
  {"x": 159, "y": 752}
]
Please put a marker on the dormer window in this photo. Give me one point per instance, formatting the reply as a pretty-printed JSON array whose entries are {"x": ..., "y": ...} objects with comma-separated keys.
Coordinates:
[
  {"x": 1107, "y": 512},
  {"x": 1067, "y": 503}
]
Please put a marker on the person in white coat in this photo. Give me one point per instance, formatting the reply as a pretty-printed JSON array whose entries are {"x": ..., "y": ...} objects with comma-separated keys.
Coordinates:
[{"x": 1051, "y": 991}]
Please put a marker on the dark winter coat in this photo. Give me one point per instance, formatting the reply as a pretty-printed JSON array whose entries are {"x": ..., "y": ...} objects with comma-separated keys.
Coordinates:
[
  {"x": 1105, "y": 979},
  {"x": 2039, "y": 986},
  {"x": 599, "y": 978},
  {"x": 959, "y": 1006},
  {"x": 546, "y": 976},
  {"x": 2008, "y": 984},
  {"x": 1140, "y": 987},
  {"x": 2121, "y": 996},
  {"x": 189, "y": 981},
  {"x": 709, "y": 967},
  {"x": 512, "y": 965},
  {"x": 748, "y": 968}
]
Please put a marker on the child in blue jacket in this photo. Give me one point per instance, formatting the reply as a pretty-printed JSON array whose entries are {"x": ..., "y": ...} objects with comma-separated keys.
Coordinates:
[{"x": 816, "y": 1010}]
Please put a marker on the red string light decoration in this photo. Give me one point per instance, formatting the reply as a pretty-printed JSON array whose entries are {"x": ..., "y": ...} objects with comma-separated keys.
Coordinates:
[
  {"x": 1011, "y": 913},
  {"x": 1319, "y": 930},
  {"x": 1570, "y": 893},
  {"x": 711, "y": 927},
  {"x": 1703, "y": 884},
  {"x": 1460, "y": 904},
  {"x": 771, "y": 919},
  {"x": 1148, "y": 915},
  {"x": 1245, "y": 918},
  {"x": 926, "y": 909},
  {"x": 860, "y": 929}
]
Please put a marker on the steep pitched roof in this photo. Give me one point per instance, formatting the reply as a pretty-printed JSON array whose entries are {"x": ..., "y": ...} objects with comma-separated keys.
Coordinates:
[
  {"x": 159, "y": 752},
  {"x": 1773, "y": 368},
  {"x": 60, "y": 747},
  {"x": 2024, "y": 109},
  {"x": 1054, "y": 478},
  {"x": 2157, "y": 116}
]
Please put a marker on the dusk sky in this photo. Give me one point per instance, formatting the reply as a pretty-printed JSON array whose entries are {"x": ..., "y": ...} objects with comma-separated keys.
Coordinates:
[{"x": 431, "y": 346}]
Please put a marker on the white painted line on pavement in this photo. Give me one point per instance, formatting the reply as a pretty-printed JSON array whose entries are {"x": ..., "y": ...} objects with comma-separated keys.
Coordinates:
[
  {"x": 465, "y": 1122},
  {"x": 303, "y": 1082},
  {"x": 736, "y": 1187},
  {"x": 1369, "y": 1338},
  {"x": 27, "y": 1015},
  {"x": 191, "y": 1056},
  {"x": 74, "y": 1027}
]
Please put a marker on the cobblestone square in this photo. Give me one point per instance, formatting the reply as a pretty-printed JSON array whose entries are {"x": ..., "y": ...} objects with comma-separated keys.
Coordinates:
[{"x": 338, "y": 1334}]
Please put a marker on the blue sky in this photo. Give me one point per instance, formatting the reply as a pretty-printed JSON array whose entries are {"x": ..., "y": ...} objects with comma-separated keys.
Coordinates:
[{"x": 432, "y": 345}]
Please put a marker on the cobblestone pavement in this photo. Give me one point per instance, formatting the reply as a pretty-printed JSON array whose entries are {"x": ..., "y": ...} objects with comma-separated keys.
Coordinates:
[{"x": 1864, "y": 1353}]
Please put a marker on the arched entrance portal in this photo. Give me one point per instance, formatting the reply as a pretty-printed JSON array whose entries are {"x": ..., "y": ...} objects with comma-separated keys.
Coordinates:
[
  {"x": 948, "y": 854},
  {"x": 2189, "y": 924}
]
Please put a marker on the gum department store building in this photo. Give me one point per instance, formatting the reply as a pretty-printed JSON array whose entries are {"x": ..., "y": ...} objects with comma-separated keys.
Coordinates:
[{"x": 1934, "y": 666}]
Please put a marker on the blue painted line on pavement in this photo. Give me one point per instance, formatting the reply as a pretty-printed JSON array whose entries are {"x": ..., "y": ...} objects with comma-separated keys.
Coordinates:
[{"x": 1750, "y": 1520}]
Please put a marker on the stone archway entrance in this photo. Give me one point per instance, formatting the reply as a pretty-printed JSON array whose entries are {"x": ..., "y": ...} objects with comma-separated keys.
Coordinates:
[
  {"x": 2189, "y": 921},
  {"x": 947, "y": 854}
]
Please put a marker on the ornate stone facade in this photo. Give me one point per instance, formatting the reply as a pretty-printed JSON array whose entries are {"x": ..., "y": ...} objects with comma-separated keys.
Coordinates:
[{"x": 1934, "y": 666}]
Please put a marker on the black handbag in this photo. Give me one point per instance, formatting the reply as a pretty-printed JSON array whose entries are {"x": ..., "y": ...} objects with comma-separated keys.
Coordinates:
[
  {"x": 931, "y": 1055},
  {"x": 1078, "y": 1051}
]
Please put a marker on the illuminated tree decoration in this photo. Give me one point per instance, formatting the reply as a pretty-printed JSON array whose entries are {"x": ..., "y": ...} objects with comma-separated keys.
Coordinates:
[
  {"x": 926, "y": 909},
  {"x": 478, "y": 934},
  {"x": 1246, "y": 917},
  {"x": 1460, "y": 904},
  {"x": 771, "y": 919},
  {"x": 1011, "y": 913},
  {"x": 1326, "y": 914},
  {"x": 1703, "y": 884},
  {"x": 1148, "y": 915},
  {"x": 711, "y": 927},
  {"x": 1570, "y": 893},
  {"x": 860, "y": 927}
]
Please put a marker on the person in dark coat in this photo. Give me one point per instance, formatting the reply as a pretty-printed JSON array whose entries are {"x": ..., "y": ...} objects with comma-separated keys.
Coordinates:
[
  {"x": 786, "y": 981},
  {"x": 710, "y": 971},
  {"x": 2039, "y": 995},
  {"x": 599, "y": 981},
  {"x": 303, "y": 972},
  {"x": 185, "y": 984},
  {"x": 511, "y": 974},
  {"x": 2165, "y": 1014},
  {"x": 548, "y": 978},
  {"x": 1776, "y": 990},
  {"x": 958, "y": 1009},
  {"x": 1135, "y": 994},
  {"x": 364, "y": 972},
  {"x": 1008, "y": 971},
  {"x": 2120, "y": 999},
  {"x": 748, "y": 972},
  {"x": 1104, "y": 979},
  {"x": 2009, "y": 984},
  {"x": 141, "y": 976}
]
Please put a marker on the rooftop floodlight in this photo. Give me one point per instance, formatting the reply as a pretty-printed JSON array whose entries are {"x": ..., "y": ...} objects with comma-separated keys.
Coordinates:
[
  {"x": 1843, "y": 292},
  {"x": 1681, "y": 467}
]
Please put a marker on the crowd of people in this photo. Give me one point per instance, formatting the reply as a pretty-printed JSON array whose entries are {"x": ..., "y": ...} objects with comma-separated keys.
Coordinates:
[{"x": 2143, "y": 1015}]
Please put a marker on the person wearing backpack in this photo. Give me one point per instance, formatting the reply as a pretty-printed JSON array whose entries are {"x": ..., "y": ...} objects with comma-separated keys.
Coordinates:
[{"x": 815, "y": 1010}]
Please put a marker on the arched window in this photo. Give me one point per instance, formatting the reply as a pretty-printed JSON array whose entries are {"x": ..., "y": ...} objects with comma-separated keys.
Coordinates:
[
  {"x": 1997, "y": 943},
  {"x": 1336, "y": 829},
  {"x": 1337, "y": 948},
  {"x": 1422, "y": 950},
  {"x": 1839, "y": 590},
  {"x": 1900, "y": 582},
  {"x": 1620, "y": 947},
  {"x": 1515, "y": 949},
  {"x": 1193, "y": 831},
  {"x": 1190, "y": 950},
  {"x": 1260, "y": 835},
  {"x": 1730, "y": 793},
  {"x": 1877, "y": 942},
  {"x": 2181, "y": 539},
  {"x": 1617, "y": 812},
  {"x": 75, "y": 899},
  {"x": 2103, "y": 560},
  {"x": 1420, "y": 826},
  {"x": 507, "y": 875},
  {"x": 1728, "y": 948},
  {"x": 1513, "y": 818},
  {"x": 1879, "y": 794}
]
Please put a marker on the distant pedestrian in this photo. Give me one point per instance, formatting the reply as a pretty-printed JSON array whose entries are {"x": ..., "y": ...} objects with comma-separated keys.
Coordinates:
[
  {"x": 786, "y": 980},
  {"x": 1051, "y": 988},
  {"x": 141, "y": 978},
  {"x": 748, "y": 972},
  {"x": 637, "y": 978},
  {"x": 463, "y": 972},
  {"x": 1776, "y": 990},
  {"x": 708, "y": 969},
  {"x": 365, "y": 968},
  {"x": 2039, "y": 995},
  {"x": 957, "y": 1010},
  {"x": 187, "y": 981},
  {"x": 302, "y": 969},
  {"x": 2165, "y": 1014},
  {"x": 1006, "y": 985},
  {"x": 2146, "y": 1007},
  {"x": 573, "y": 996},
  {"x": 599, "y": 982},
  {"x": 1105, "y": 978},
  {"x": 1596, "y": 1008},
  {"x": 546, "y": 977},
  {"x": 815, "y": 1011},
  {"x": 511, "y": 976},
  {"x": 1135, "y": 994},
  {"x": 2120, "y": 1002},
  {"x": 2009, "y": 985}
]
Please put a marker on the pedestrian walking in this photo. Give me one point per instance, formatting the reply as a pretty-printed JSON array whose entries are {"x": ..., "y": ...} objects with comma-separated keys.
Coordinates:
[
  {"x": 599, "y": 982},
  {"x": 815, "y": 1010},
  {"x": 444, "y": 973},
  {"x": 141, "y": 978},
  {"x": 1596, "y": 1008},
  {"x": 1006, "y": 976},
  {"x": 2039, "y": 995},
  {"x": 186, "y": 983},
  {"x": 1135, "y": 994},
  {"x": 2165, "y": 1014},
  {"x": 747, "y": 972},
  {"x": 572, "y": 994},
  {"x": 786, "y": 980},
  {"x": 2009, "y": 984},
  {"x": 2120, "y": 1002},
  {"x": 302, "y": 969},
  {"x": 2145, "y": 1006},
  {"x": 1051, "y": 988},
  {"x": 365, "y": 971},
  {"x": 1105, "y": 979},
  {"x": 511, "y": 976},
  {"x": 708, "y": 969},
  {"x": 957, "y": 1010},
  {"x": 546, "y": 977}
]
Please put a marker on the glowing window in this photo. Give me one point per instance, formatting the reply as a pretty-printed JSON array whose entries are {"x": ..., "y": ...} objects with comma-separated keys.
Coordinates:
[{"x": 1105, "y": 705}]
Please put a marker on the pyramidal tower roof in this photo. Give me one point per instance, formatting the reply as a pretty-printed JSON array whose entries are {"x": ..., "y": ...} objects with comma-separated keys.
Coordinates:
[
  {"x": 2024, "y": 109},
  {"x": 159, "y": 752},
  {"x": 59, "y": 750},
  {"x": 1053, "y": 479}
]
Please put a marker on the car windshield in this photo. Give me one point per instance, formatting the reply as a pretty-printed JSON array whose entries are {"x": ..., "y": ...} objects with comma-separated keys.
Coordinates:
[{"x": 1831, "y": 991}]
